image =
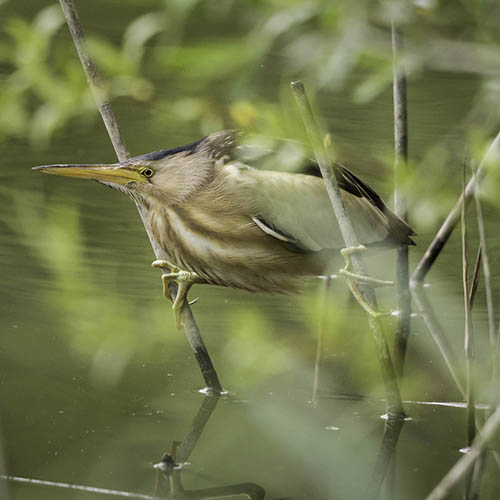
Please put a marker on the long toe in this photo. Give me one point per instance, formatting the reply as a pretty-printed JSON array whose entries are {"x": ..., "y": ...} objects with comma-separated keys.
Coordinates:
[
  {"x": 350, "y": 250},
  {"x": 365, "y": 279},
  {"x": 184, "y": 280},
  {"x": 165, "y": 264}
]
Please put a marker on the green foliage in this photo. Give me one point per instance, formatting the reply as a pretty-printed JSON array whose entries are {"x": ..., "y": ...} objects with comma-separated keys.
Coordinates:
[{"x": 44, "y": 88}]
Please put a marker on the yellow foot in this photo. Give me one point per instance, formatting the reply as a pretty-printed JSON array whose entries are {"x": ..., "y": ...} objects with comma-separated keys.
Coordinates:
[
  {"x": 365, "y": 279},
  {"x": 184, "y": 281},
  {"x": 348, "y": 273},
  {"x": 353, "y": 279}
]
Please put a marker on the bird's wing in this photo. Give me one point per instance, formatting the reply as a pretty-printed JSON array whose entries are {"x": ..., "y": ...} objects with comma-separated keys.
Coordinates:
[{"x": 295, "y": 208}]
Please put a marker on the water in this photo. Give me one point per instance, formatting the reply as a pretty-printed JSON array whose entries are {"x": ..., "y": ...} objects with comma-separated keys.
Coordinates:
[{"x": 96, "y": 383}]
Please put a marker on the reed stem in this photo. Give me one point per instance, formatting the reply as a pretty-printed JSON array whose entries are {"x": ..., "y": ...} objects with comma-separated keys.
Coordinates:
[
  {"x": 444, "y": 233},
  {"x": 493, "y": 333},
  {"x": 385, "y": 457},
  {"x": 468, "y": 328},
  {"x": 400, "y": 202},
  {"x": 464, "y": 465},
  {"x": 470, "y": 414},
  {"x": 394, "y": 403},
  {"x": 432, "y": 323},
  {"x": 95, "y": 83}
]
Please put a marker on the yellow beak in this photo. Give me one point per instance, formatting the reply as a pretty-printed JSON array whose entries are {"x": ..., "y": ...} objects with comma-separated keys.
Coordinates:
[{"x": 114, "y": 173}]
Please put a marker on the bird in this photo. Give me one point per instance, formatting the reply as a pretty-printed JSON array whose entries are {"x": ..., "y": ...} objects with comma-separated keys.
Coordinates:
[{"x": 222, "y": 222}]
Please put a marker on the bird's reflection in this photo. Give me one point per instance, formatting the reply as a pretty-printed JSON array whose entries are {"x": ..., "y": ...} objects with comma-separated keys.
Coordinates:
[
  {"x": 169, "y": 480},
  {"x": 170, "y": 467}
]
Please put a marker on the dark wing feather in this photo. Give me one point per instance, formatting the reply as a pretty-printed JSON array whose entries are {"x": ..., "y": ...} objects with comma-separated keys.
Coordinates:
[{"x": 399, "y": 230}]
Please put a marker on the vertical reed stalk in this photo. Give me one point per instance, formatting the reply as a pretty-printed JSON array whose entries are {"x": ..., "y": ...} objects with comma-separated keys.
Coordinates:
[
  {"x": 394, "y": 403},
  {"x": 434, "y": 249},
  {"x": 95, "y": 83},
  {"x": 444, "y": 233},
  {"x": 493, "y": 333},
  {"x": 468, "y": 340},
  {"x": 468, "y": 329},
  {"x": 400, "y": 202},
  {"x": 323, "y": 299},
  {"x": 480, "y": 464}
]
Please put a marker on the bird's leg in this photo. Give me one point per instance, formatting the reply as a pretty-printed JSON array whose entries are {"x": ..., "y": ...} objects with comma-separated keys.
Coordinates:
[
  {"x": 184, "y": 279},
  {"x": 353, "y": 279}
]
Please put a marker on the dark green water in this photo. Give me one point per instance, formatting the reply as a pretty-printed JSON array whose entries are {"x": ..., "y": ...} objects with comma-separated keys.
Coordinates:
[{"x": 96, "y": 383}]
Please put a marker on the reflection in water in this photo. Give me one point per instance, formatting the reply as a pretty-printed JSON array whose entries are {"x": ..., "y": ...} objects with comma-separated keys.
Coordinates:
[
  {"x": 386, "y": 456},
  {"x": 432, "y": 322},
  {"x": 171, "y": 464},
  {"x": 180, "y": 452},
  {"x": 323, "y": 303},
  {"x": 4, "y": 493}
]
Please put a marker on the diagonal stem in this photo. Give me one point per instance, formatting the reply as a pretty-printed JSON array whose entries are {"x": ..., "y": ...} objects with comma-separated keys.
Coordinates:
[
  {"x": 444, "y": 233},
  {"x": 463, "y": 466},
  {"x": 431, "y": 320},
  {"x": 394, "y": 403},
  {"x": 95, "y": 82}
]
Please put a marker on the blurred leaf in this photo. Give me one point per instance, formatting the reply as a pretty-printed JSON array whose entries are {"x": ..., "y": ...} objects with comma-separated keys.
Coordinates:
[
  {"x": 283, "y": 21},
  {"x": 45, "y": 120},
  {"x": 344, "y": 55},
  {"x": 374, "y": 84},
  {"x": 244, "y": 113},
  {"x": 138, "y": 33},
  {"x": 49, "y": 20},
  {"x": 109, "y": 58},
  {"x": 211, "y": 61}
]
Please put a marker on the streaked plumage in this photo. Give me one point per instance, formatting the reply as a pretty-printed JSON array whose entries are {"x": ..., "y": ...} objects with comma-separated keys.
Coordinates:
[{"x": 238, "y": 226}]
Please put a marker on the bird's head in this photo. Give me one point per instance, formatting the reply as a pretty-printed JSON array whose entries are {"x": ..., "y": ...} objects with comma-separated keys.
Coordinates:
[{"x": 167, "y": 176}]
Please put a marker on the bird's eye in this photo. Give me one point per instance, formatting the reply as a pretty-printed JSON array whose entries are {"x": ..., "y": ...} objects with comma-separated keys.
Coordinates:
[{"x": 147, "y": 172}]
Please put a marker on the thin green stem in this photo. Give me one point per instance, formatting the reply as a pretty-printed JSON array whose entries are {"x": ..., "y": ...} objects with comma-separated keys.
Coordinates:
[
  {"x": 493, "y": 332},
  {"x": 444, "y": 233},
  {"x": 468, "y": 328},
  {"x": 468, "y": 340},
  {"x": 394, "y": 403},
  {"x": 400, "y": 202}
]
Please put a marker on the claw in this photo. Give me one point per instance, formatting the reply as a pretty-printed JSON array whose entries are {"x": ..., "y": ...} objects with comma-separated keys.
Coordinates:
[
  {"x": 184, "y": 281},
  {"x": 163, "y": 263}
]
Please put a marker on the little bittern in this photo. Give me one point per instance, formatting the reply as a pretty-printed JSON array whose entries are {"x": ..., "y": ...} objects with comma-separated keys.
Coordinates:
[{"x": 222, "y": 222}]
